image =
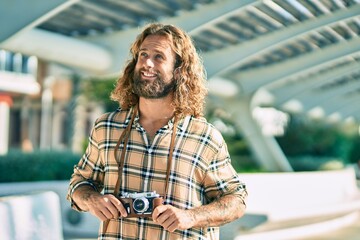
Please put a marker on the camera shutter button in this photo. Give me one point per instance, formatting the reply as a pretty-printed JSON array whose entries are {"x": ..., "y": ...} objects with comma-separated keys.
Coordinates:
[{"x": 127, "y": 207}]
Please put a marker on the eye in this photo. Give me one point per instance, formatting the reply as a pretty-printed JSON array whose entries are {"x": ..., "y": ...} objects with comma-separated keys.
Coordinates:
[
  {"x": 159, "y": 56},
  {"x": 143, "y": 54}
]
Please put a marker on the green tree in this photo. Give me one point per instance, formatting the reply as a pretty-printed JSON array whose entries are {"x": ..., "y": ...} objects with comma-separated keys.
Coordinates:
[
  {"x": 307, "y": 137},
  {"x": 99, "y": 90}
]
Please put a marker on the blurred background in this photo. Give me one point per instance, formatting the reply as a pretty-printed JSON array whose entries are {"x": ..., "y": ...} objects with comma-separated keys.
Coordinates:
[{"x": 284, "y": 90}]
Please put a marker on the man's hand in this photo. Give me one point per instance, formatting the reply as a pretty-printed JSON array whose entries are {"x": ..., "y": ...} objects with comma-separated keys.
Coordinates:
[
  {"x": 105, "y": 207},
  {"x": 101, "y": 206},
  {"x": 172, "y": 218},
  {"x": 217, "y": 213}
]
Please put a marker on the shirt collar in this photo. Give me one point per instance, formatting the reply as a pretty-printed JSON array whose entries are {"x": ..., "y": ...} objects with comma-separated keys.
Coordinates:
[{"x": 182, "y": 122}]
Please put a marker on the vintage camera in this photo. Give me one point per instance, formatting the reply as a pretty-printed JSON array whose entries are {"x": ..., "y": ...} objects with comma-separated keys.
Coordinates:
[{"x": 140, "y": 204}]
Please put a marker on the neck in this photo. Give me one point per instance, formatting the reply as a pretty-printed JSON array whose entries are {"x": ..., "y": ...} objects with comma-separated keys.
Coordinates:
[{"x": 156, "y": 109}]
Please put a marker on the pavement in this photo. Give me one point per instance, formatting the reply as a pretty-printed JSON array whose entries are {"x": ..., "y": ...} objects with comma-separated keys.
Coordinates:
[
  {"x": 332, "y": 225},
  {"x": 351, "y": 232}
]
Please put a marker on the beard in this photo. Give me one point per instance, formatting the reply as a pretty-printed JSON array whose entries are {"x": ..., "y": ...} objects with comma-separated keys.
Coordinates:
[{"x": 154, "y": 89}]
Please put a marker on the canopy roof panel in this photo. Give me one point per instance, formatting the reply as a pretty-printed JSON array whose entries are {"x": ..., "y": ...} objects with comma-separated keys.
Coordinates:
[{"x": 301, "y": 50}]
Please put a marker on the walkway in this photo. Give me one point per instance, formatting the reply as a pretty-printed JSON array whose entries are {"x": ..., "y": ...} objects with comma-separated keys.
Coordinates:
[{"x": 351, "y": 232}]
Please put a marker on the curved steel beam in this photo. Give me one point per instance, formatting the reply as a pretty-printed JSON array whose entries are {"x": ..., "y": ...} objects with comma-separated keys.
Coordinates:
[
  {"x": 111, "y": 46},
  {"x": 252, "y": 80},
  {"x": 342, "y": 104},
  {"x": 208, "y": 15},
  {"x": 192, "y": 22},
  {"x": 61, "y": 49},
  {"x": 294, "y": 88},
  {"x": 320, "y": 97},
  {"x": 235, "y": 55},
  {"x": 18, "y": 16}
]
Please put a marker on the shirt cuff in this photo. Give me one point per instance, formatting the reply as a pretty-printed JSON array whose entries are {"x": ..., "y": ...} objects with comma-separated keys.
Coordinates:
[{"x": 76, "y": 186}]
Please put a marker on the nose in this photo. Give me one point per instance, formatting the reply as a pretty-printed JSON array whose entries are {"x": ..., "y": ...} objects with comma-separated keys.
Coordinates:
[{"x": 149, "y": 63}]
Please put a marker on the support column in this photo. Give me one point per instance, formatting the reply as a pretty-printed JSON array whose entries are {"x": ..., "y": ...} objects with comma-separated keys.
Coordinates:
[
  {"x": 5, "y": 103},
  {"x": 46, "y": 115},
  {"x": 265, "y": 148},
  {"x": 26, "y": 144}
]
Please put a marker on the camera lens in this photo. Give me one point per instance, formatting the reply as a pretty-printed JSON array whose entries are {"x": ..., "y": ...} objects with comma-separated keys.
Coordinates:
[{"x": 140, "y": 204}]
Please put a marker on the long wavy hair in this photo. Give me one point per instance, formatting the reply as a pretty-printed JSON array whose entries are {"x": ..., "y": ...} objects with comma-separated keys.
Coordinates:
[{"x": 190, "y": 91}]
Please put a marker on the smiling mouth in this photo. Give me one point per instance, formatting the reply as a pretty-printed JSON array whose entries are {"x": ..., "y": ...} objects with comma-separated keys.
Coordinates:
[{"x": 148, "y": 75}]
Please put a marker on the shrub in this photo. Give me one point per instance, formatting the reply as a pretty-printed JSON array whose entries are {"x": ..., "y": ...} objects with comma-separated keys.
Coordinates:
[
  {"x": 314, "y": 163},
  {"x": 18, "y": 166}
]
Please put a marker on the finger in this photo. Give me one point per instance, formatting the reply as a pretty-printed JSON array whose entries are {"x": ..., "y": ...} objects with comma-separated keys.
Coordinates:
[
  {"x": 168, "y": 212},
  {"x": 107, "y": 213},
  {"x": 170, "y": 223},
  {"x": 114, "y": 212},
  {"x": 158, "y": 211},
  {"x": 172, "y": 227},
  {"x": 99, "y": 215},
  {"x": 122, "y": 210},
  {"x": 119, "y": 206},
  {"x": 110, "y": 207}
]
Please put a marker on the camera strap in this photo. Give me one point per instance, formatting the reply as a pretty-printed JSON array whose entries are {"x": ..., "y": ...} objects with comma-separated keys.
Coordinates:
[
  {"x": 171, "y": 150},
  {"x": 125, "y": 135}
]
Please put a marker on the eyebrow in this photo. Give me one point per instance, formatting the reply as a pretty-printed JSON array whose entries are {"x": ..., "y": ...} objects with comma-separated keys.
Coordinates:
[{"x": 157, "y": 51}]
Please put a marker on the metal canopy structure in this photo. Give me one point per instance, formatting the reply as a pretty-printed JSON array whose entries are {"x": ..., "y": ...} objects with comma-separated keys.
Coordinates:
[{"x": 295, "y": 55}]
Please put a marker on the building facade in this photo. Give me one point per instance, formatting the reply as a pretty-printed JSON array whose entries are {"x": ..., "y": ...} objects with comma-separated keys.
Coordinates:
[{"x": 41, "y": 106}]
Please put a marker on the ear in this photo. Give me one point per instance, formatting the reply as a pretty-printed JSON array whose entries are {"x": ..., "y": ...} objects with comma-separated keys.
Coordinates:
[{"x": 177, "y": 73}]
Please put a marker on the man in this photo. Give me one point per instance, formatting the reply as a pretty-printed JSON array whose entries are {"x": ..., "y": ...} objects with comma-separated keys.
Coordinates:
[{"x": 157, "y": 142}]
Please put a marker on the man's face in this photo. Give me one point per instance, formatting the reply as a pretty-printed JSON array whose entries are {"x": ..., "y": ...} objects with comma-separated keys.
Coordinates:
[{"x": 154, "y": 70}]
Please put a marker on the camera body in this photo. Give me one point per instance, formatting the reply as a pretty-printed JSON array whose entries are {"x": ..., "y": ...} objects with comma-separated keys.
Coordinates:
[{"x": 140, "y": 204}]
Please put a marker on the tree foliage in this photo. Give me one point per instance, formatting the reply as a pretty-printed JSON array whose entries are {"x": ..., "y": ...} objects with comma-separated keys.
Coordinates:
[
  {"x": 99, "y": 90},
  {"x": 18, "y": 166},
  {"x": 309, "y": 137}
]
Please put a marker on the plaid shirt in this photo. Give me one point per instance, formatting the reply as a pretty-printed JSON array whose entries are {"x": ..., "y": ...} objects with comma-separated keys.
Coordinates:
[{"x": 200, "y": 173}]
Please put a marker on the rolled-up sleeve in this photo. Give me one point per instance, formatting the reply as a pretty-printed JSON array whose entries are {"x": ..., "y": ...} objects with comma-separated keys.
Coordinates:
[
  {"x": 221, "y": 179},
  {"x": 89, "y": 170}
]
